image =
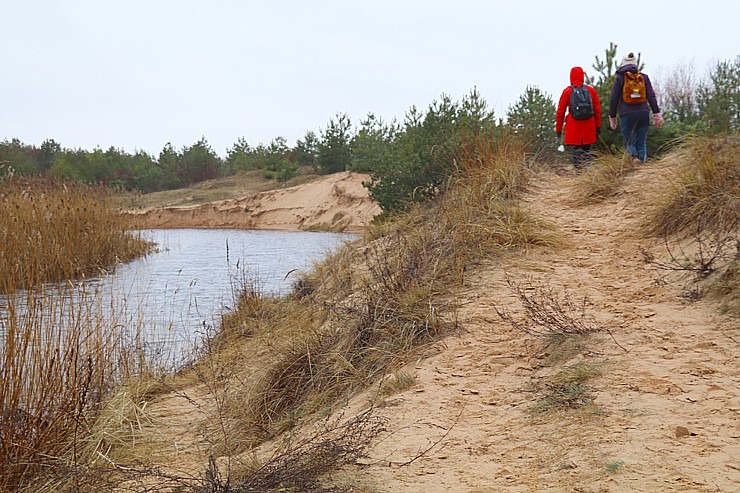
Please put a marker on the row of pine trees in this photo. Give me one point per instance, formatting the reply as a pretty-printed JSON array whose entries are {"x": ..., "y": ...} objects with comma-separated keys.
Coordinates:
[{"x": 407, "y": 159}]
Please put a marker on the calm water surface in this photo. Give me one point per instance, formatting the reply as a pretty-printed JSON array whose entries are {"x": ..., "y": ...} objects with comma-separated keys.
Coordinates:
[
  {"x": 173, "y": 297},
  {"x": 196, "y": 272}
]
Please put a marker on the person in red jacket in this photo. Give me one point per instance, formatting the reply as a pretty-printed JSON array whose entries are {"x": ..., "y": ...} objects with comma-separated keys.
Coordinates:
[{"x": 580, "y": 133}]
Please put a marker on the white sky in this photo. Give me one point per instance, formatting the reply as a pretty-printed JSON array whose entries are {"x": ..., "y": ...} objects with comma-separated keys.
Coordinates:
[{"x": 138, "y": 74}]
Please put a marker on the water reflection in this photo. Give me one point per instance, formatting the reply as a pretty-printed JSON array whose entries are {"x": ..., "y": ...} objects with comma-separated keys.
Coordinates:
[
  {"x": 171, "y": 297},
  {"x": 192, "y": 276}
]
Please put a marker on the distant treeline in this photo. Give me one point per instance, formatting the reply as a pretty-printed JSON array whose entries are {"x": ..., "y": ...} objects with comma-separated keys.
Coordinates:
[{"x": 408, "y": 160}]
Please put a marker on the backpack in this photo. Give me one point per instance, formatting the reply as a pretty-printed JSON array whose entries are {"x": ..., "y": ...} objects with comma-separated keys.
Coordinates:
[
  {"x": 633, "y": 90},
  {"x": 581, "y": 105}
]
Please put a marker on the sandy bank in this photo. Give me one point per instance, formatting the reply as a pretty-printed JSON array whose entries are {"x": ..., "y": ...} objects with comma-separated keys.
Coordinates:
[{"x": 337, "y": 202}]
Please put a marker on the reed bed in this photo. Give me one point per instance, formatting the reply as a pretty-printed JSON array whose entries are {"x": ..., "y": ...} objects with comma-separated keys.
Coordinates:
[
  {"x": 61, "y": 353},
  {"x": 54, "y": 230}
]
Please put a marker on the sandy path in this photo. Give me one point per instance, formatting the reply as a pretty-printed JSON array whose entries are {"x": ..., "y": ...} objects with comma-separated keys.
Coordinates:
[
  {"x": 666, "y": 415},
  {"x": 666, "y": 407}
]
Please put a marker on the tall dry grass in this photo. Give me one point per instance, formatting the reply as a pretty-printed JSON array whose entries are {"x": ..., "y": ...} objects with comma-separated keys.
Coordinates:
[
  {"x": 698, "y": 217},
  {"x": 60, "y": 352},
  {"x": 54, "y": 230},
  {"x": 603, "y": 179},
  {"x": 704, "y": 191}
]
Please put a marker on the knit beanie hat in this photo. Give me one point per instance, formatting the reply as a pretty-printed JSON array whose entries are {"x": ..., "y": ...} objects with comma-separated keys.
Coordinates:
[{"x": 628, "y": 59}]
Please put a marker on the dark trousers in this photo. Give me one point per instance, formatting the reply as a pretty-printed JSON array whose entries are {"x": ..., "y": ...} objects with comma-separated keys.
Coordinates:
[
  {"x": 581, "y": 155},
  {"x": 634, "y": 133}
]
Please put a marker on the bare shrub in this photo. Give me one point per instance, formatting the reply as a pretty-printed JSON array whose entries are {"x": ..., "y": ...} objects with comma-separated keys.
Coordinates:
[
  {"x": 300, "y": 462},
  {"x": 547, "y": 313},
  {"x": 676, "y": 92}
]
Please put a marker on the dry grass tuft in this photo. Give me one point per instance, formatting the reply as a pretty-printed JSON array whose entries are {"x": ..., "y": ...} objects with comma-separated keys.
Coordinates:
[
  {"x": 567, "y": 389},
  {"x": 705, "y": 190},
  {"x": 699, "y": 218},
  {"x": 603, "y": 179}
]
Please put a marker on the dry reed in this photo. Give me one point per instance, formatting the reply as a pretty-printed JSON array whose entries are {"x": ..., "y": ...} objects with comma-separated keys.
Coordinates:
[
  {"x": 60, "y": 354},
  {"x": 54, "y": 230}
]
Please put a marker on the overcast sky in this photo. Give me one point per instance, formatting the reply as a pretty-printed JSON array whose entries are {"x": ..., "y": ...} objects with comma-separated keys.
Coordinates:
[{"x": 138, "y": 74}]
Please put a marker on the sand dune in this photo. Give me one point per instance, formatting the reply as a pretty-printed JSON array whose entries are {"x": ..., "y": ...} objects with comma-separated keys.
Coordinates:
[{"x": 337, "y": 202}]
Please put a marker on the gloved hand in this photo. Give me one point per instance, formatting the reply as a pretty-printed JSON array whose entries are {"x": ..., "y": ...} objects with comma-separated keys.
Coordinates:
[
  {"x": 658, "y": 119},
  {"x": 560, "y": 135},
  {"x": 598, "y": 130},
  {"x": 613, "y": 122}
]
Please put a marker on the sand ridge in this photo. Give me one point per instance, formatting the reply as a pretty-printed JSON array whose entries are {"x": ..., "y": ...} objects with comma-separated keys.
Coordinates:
[{"x": 337, "y": 202}]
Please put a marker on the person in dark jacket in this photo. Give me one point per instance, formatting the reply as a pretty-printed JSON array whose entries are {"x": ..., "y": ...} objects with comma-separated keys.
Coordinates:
[
  {"x": 634, "y": 119},
  {"x": 579, "y": 134}
]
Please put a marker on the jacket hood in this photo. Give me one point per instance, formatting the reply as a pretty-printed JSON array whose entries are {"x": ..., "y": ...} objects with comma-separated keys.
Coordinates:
[
  {"x": 576, "y": 76},
  {"x": 630, "y": 67}
]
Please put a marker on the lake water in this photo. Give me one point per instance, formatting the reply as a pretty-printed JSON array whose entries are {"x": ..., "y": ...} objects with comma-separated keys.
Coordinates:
[
  {"x": 196, "y": 273},
  {"x": 178, "y": 293}
]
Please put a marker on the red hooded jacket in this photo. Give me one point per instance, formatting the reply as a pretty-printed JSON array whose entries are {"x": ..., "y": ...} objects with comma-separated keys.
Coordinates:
[{"x": 577, "y": 132}]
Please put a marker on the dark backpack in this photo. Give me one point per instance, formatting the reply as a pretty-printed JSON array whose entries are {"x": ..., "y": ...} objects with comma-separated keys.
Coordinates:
[{"x": 581, "y": 105}]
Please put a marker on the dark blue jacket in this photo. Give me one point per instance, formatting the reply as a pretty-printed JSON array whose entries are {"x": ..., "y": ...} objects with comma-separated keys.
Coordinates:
[{"x": 617, "y": 104}]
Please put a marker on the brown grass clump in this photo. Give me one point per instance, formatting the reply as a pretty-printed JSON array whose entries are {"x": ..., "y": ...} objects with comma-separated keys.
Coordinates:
[
  {"x": 603, "y": 179},
  {"x": 704, "y": 192},
  {"x": 481, "y": 213},
  {"x": 567, "y": 389},
  {"x": 699, "y": 219}
]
